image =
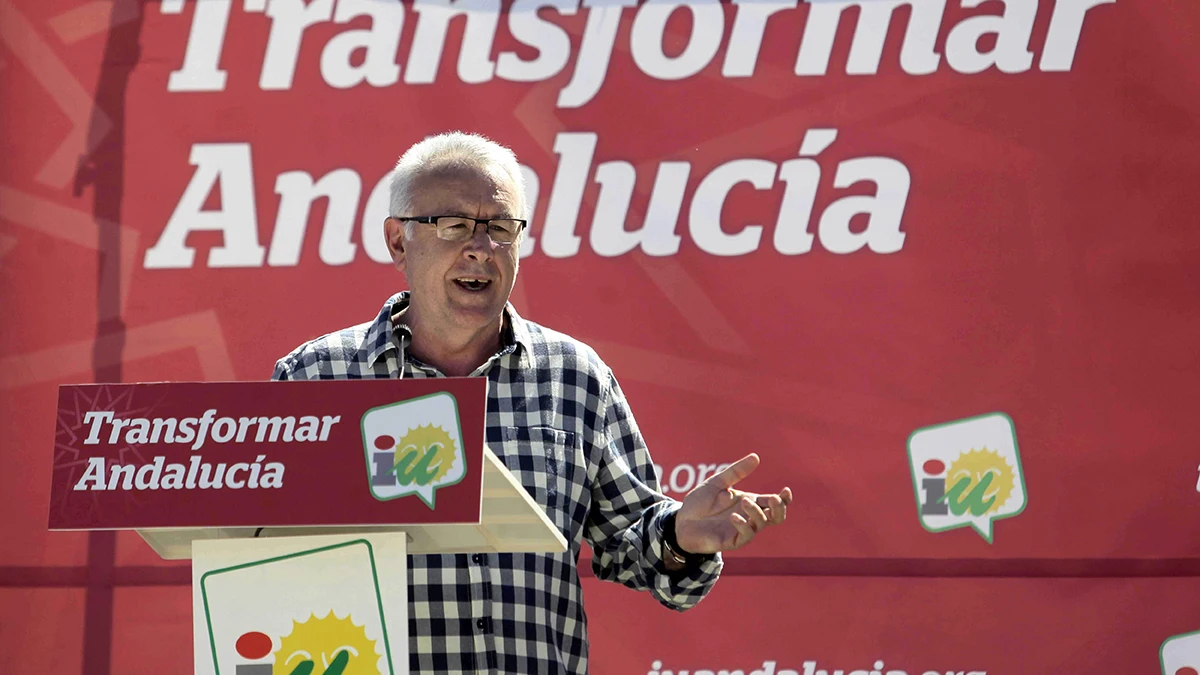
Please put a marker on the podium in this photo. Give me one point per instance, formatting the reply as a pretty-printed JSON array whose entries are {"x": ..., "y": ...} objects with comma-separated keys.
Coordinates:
[{"x": 297, "y": 503}]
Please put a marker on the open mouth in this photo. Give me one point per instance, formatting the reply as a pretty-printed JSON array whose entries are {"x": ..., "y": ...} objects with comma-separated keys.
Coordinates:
[{"x": 472, "y": 284}]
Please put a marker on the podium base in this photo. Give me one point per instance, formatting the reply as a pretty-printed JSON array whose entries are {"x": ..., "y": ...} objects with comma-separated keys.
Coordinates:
[{"x": 303, "y": 602}]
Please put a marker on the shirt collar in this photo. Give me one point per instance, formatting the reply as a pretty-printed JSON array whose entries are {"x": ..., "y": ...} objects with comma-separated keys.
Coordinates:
[{"x": 382, "y": 336}]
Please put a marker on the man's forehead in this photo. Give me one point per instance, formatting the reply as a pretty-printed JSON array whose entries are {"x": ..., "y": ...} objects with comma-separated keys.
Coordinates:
[{"x": 451, "y": 190}]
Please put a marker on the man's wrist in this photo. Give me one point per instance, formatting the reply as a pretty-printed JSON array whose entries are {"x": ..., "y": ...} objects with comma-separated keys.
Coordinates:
[{"x": 672, "y": 551}]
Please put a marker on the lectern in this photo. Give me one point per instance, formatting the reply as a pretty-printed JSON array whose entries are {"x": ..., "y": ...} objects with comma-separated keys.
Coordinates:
[{"x": 297, "y": 503}]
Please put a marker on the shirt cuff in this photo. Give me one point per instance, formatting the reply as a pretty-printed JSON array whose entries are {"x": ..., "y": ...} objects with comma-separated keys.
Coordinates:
[{"x": 699, "y": 565}]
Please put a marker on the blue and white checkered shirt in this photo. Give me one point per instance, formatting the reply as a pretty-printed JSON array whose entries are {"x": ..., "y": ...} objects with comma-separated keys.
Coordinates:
[{"x": 558, "y": 420}]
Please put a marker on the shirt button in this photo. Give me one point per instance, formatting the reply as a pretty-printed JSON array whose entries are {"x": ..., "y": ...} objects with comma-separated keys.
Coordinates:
[
  {"x": 481, "y": 624},
  {"x": 477, "y": 558}
]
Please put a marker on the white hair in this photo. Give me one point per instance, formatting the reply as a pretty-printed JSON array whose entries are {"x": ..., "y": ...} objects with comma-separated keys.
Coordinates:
[{"x": 450, "y": 149}]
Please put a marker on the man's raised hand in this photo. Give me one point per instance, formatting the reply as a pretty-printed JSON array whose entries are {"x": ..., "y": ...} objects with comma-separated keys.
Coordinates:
[{"x": 717, "y": 517}]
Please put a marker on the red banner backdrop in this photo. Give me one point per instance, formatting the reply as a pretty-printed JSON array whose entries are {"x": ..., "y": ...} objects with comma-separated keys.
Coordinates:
[{"x": 806, "y": 230}]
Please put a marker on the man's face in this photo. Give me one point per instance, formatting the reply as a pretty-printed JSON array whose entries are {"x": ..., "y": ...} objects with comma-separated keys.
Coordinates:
[{"x": 443, "y": 275}]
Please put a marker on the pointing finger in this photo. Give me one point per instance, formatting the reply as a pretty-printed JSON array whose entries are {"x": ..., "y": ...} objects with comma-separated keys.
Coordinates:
[{"x": 737, "y": 471}]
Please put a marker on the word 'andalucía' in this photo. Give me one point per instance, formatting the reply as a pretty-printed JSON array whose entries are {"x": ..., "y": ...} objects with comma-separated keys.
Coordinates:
[
  {"x": 804, "y": 221},
  {"x": 197, "y": 473}
]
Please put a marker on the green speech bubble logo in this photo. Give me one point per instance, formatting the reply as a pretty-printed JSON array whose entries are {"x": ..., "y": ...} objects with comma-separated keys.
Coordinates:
[
  {"x": 1180, "y": 654},
  {"x": 967, "y": 473},
  {"x": 414, "y": 447}
]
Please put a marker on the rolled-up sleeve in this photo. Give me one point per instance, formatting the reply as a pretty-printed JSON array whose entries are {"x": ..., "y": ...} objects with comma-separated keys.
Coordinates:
[{"x": 628, "y": 512}]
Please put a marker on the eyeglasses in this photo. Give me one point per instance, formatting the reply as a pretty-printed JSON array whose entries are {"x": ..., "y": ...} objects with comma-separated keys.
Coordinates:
[{"x": 503, "y": 231}]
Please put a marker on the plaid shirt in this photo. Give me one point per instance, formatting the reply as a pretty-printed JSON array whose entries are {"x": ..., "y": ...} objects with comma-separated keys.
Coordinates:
[{"x": 558, "y": 420}]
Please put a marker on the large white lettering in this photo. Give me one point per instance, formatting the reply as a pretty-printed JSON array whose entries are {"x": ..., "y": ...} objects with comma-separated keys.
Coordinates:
[
  {"x": 236, "y": 220},
  {"x": 549, "y": 39},
  {"x": 380, "y": 42},
  {"x": 1012, "y": 30},
  {"x": 1062, "y": 40},
  {"x": 356, "y": 56},
  {"x": 289, "y": 20},
  {"x": 745, "y": 42},
  {"x": 705, "y": 217},
  {"x": 574, "y": 161},
  {"x": 657, "y": 235},
  {"x": 917, "y": 55},
  {"x": 475, "y": 64},
  {"x": 201, "y": 60},
  {"x": 595, "y": 52},
  {"x": 646, "y": 38},
  {"x": 297, "y": 191},
  {"x": 802, "y": 223}
]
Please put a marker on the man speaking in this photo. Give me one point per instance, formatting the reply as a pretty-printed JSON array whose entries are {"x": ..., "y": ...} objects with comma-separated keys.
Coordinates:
[{"x": 555, "y": 416}]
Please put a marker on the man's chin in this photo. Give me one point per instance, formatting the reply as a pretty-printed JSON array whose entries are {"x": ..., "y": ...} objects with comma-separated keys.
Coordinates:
[{"x": 479, "y": 307}]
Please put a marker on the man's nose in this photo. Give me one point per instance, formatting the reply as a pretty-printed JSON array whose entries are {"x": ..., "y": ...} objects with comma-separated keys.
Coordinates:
[{"x": 480, "y": 246}]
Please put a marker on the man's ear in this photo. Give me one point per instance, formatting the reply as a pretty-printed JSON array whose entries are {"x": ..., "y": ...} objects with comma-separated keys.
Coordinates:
[{"x": 393, "y": 231}]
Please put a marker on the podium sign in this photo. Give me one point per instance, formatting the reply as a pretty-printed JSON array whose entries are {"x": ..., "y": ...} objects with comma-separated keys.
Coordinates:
[
  {"x": 297, "y": 502},
  {"x": 254, "y": 454}
]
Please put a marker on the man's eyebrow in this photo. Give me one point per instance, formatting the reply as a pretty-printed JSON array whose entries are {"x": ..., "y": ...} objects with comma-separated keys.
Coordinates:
[
  {"x": 459, "y": 212},
  {"x": 502, "y": 215}
]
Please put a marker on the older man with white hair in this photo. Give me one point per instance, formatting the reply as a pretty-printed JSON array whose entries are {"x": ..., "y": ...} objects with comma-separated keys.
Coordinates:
[{"x": 555, "y": 416}]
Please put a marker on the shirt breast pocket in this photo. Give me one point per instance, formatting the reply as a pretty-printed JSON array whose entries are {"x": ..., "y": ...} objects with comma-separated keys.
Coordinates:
[{"x": 542, "y": 460}]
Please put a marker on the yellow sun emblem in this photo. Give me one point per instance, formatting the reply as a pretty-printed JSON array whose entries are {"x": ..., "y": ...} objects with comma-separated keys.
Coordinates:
[
  {"x": 985, "y": 472},
  {"x": 424, "y": 455},
  {"x": 326, "y": 645}
]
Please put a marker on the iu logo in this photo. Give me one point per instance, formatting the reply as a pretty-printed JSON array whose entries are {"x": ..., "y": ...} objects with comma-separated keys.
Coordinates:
[
  {"x": 414, "y": 447},
  {"x": 967, "y": 474},
  {"x": 1180, "y": 654}
]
